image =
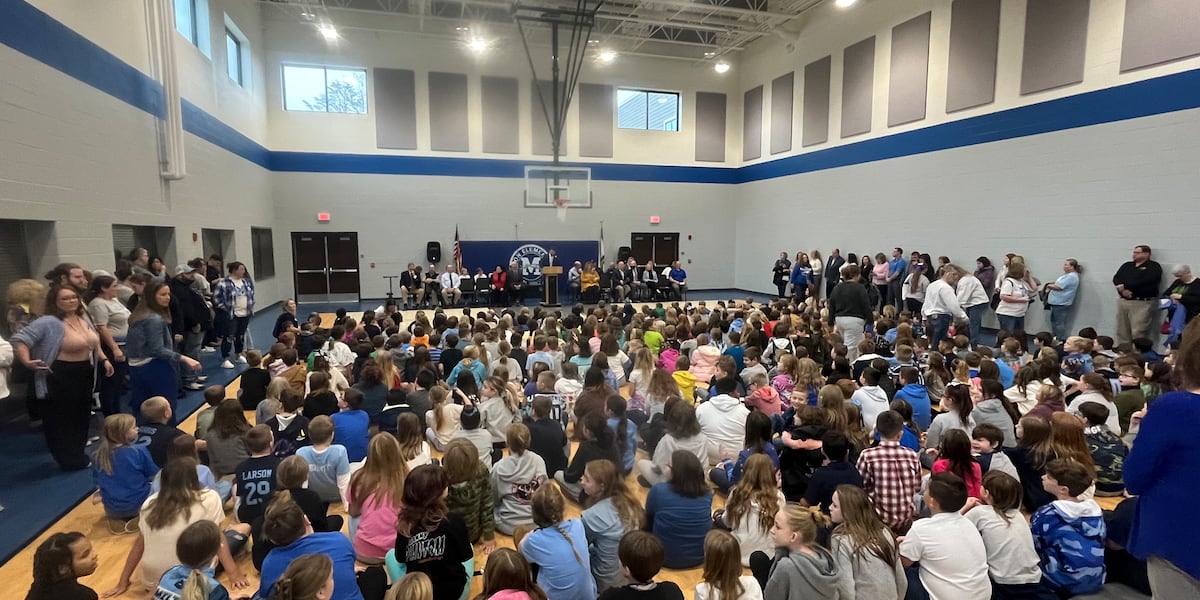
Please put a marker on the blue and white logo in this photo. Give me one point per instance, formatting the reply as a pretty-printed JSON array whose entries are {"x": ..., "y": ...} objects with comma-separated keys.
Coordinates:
[{"x": 529, "y": 259}]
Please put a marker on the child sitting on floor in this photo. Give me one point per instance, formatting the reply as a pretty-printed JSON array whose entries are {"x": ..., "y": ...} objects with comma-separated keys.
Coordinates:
[
  {"x": 193, "y": 577},
  {"x": 58, "y": 564},
  {"x": 123, "y": 470},
  {"x": 641, "y": 555},
  {"x": 1069, "y": 533}
]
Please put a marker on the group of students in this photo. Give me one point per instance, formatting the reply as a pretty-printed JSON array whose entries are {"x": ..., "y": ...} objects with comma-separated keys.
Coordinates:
[{"x": 821, "y": 460}]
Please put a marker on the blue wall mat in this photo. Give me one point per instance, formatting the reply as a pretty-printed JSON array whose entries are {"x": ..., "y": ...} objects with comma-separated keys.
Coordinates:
[{"x": 33, "y": 33}]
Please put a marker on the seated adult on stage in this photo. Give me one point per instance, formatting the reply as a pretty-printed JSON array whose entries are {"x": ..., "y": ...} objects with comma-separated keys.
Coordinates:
[
  {"x": 589, "y": 283},
  {"x": 450, "y": 282},
  {"x": 499, "y": 286},
  {"x": 650, "y": 279},
  {"x": 573, "y": 279},
  {"x": 412, "y": 286},
  {"x": 515, "y": 284},
  {"x": 619, "y": 280},
  {"x": 433, "y": 285},
  {"x": 678, "y": 280},
  {"x": 636, "y": 285}
]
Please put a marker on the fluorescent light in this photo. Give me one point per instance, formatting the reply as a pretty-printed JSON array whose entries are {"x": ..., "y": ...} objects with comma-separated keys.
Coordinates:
[
  {"x": 477, "y": 45},
  {"x": 709, "y": 54},
  {"x": 328, "y": 31},
  {"x": 606, "y": 56},
  {"x": 721, "y": 67},
  {"x": 844, "y": 3}
]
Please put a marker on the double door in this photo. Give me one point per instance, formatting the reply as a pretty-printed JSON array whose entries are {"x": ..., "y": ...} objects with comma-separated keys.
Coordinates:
[
  {"x": 326, "y": 266},
  {"x": 662, "y": 248}
]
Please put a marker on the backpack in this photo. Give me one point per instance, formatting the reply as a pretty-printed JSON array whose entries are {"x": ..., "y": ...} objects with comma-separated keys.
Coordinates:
[{"x": 775, "y": 351}]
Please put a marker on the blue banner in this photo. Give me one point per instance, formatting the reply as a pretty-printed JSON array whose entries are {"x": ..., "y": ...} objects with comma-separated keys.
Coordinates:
[{"x": 529, "y": 255}]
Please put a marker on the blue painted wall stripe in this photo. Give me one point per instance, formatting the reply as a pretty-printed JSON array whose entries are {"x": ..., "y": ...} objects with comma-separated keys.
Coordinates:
[{"x": 35, "y": 34}]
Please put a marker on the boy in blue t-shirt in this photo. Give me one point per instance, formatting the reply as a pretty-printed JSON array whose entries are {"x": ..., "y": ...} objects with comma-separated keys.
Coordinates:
[
  {"x": 1069, "y": 533},
  {"x": 328, "y": 466},
  {"x": 351, "y": 425},
  {"x": 254, "y": 478}
]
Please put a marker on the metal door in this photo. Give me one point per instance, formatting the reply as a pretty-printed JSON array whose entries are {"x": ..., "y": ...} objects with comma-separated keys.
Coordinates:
[
  {"x": 663, "y": 248},
  {"x": 326, "y": 266},
  {"x": 642, "y": 247}
]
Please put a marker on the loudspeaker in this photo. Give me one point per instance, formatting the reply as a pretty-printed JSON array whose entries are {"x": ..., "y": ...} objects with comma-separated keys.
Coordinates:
[
  {"x": 624, "y": 252},
  {"x": 433, "y": 252}
]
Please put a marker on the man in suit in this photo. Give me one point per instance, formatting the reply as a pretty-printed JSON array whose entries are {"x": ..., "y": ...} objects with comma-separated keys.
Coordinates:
[
  {"x": 551, "y": 259},
  {"x": 412, "y": 286},
  {"x": 515, "y": 285},
  {"x": 433, "y": 286},
  {"x": 833, "y": 271}
]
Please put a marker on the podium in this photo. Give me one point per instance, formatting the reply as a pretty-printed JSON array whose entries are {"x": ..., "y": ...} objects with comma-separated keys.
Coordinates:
[{"x": 550, "y": 285}]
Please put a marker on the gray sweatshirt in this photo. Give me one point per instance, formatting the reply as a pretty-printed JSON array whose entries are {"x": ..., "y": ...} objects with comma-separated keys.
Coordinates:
[
  {"x": 482, "y": 440},
  {"x": 496, "y": 418},
  {"x": 515, "y": 478},
  {"x": 992, "y": 411},
  {"x": 800, "y": 576},
  {"x": 868, "y": 576}
]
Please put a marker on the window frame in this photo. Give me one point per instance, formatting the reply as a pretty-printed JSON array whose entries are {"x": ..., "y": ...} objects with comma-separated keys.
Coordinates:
[
  {"x": 234, "y": 64},
  {"x": 262, "y": 238},
  {"x": 646, "y": 93},
  {"x": 325, "y": 72},
  {"x": 199, "y": 29}
]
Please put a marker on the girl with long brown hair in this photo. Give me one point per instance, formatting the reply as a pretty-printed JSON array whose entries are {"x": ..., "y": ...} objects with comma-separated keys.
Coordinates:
[
  {"x": 722, "y": 575},
  {"x": 611, "y": 512},
  {"x": 429, "y": 539},
  {"x": 1012, "y": 559},
  {"x": 751, "y": 507},
  {"x": 558, "y": 547},
  {"x": 150, "y": 349},
  {"x": 863, "y": 547},
  {"x": 1033, "y": 451},
  {"x": 508, "y": 571}
]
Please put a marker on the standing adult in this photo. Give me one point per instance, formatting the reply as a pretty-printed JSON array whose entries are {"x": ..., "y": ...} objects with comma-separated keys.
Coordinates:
[
  {"x": 1015, "y": 296},
  {"x": 233, "y": 301},
  {"x": 411, "y": 286},
  {"x": 780, "y": 274},
  {"x": 26, "y": 300},
  {"x": 1185, "y": 290},
  {"x": 879, "y": 273},
  {"x": 149, "y": 348},
  {"x": 818, "y": 270},
  {"x": 1061, "y": 298},
  {"x": 895, "y": 278},
  {"x": 1137, "y": 284},
  {"x": 973, "y": 297},
  {"x": 139, "y": 259},
  {"x": 62, "y": 350},
  {"x": 112, "y": 323},
  {"x": 190, "y": 319},
  {"x": 941, "y": 306},
  {"x": 1163, "y": 478},
  {"x": 986, "y": 274},
  {"x": 802, "y": 273},
  {"x": 833, "y": 270},
  {"x": 850, "y": 308},
  {"x": 70, "y": 275}
]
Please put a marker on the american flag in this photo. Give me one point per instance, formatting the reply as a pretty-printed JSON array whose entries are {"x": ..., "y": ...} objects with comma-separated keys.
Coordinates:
[{"x": 457, "y": 251}]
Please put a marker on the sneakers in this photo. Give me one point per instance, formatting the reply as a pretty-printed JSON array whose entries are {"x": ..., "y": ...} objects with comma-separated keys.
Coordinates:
[
  {"x": 241, "y": 359},
  {"x": 208, "y": 349},
  {"x": 201, "y": 378},
  {"x": 195, "y": 385},
  {"x": 227, "y": 364}
]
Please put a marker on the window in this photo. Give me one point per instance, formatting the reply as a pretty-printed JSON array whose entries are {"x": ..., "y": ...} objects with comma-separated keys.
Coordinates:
[
  {"x": 262, "y": 247},
  {"x": 191, "y": 20},
  {"x": 325, "y": 89},
  {"x": 642, "y": 109},
  {"x": 233, "y": 57}
]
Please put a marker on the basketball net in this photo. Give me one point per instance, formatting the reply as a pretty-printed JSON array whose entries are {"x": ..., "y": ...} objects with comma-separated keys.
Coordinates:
[{"x": 560, "y": 206}]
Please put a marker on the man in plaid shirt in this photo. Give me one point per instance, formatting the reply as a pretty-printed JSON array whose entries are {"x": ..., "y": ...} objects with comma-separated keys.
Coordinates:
[{"x": 891, "y": 473}]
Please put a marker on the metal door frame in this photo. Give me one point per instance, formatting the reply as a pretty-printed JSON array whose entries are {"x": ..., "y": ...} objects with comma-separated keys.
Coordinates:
[{"x": 326, "y": 297}]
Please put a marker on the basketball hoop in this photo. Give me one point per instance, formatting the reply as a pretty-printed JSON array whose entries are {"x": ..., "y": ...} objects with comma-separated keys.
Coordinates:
[{"x": 560, "y": 205}]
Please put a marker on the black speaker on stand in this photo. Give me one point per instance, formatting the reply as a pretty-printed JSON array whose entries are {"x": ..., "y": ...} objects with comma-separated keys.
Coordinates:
[
  {"x": 623, "y": 253},
  {"x": 433, "y": 252}
]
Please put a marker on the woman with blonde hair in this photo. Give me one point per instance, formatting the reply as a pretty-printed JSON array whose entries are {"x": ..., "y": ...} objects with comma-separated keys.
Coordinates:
[
  {"x": 387, "y": 366},
  {"x": 751, "y": 507},
  {"x": 473, "y": 361}
]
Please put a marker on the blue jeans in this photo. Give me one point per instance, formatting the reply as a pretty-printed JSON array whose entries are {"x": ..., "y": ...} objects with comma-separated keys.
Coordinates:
[
  {"x": 158, "y": 377},
  {"x": 1011, "y": 324},
  {"x": 975, "y": 321},
  {"x": 939, "y": 326},
  {"x": 1058, "y": 321}
]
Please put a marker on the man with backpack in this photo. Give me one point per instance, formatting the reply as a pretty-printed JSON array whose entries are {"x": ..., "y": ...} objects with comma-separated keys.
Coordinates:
[{"x": 850, "y": 309}]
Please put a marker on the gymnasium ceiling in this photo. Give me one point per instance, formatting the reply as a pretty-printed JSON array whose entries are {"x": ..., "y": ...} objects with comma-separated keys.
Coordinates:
[{"x": 696, "y": 30}]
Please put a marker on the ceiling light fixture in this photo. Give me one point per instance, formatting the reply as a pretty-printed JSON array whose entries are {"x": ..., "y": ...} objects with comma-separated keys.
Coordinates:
[
  {"x": 477, "y": 45},
  {"x": 606, "y": 56},
  {"x": 721, "y": 67},
  {"x": 462, "y": 28},
  {"x": 844, "y": 3},
  {"x": 328, "y": 31},
  {"x": 709, "y": 54}
]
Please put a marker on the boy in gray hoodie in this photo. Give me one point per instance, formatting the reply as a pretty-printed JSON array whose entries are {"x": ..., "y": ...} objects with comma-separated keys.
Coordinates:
[{"x": 515, "y": 478}]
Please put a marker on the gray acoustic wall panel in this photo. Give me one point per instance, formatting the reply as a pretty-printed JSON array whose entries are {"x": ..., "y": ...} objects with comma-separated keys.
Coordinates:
[
  {"x": 395, "y": 109},
  {"x": 974, "y": 46},
  {"x": 596, "y": 106},
  {"x": 501, "y": 134},
  {"x": 448, "y": 118},
  {"x": 541, "y": 131},
  {"x": 1055, "y": 43},
  {"x": 858, "y": 87},
  {"x": 816, "y": 102},
  {"x": 909, "y": 81},
  {"x": 781, "y": 112},
  {"x": 710, "y": 127},
  {"x": 752, "y": 124},
  {"x": 1159, "y": 31}
]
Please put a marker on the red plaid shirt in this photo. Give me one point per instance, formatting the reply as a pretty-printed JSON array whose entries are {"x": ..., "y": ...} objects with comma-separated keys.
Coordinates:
[{"x": 891, "y": 477}]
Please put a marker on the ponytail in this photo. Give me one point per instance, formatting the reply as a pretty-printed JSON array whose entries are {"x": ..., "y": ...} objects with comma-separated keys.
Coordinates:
[{"x": 196, "y": 587}]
